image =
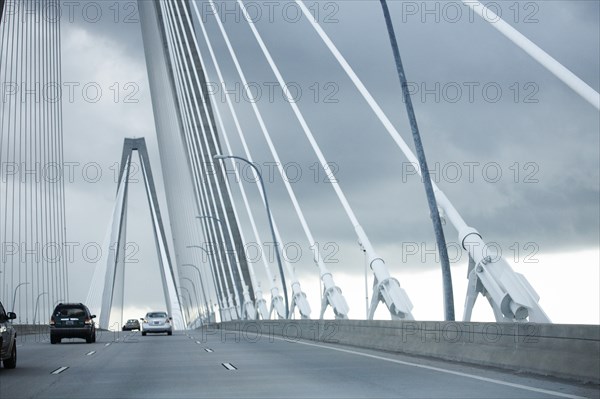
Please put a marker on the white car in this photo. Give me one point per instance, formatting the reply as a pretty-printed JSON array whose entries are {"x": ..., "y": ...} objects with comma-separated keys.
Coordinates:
[{"x": 157, "y": 322}]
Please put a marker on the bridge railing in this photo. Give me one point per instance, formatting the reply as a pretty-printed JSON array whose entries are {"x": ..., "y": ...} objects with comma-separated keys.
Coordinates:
[{"x": 567, "y": 351}]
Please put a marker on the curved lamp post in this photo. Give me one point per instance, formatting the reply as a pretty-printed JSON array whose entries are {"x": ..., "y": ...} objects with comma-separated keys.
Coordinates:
[
  {"x": 262, "y": 186},
  {"x": 196, "y": 295},
  {"x": 212, "y": 272},
  {"x": 245, "y": 296},
  {"x": 189, "y": 299},
  {"x": 37, "y": 301},
  {"x": 203, "y": 289},
  {"x": 15, "y": 295}
]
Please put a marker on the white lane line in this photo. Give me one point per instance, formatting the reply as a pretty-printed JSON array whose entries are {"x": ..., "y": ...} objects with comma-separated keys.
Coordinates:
[
  {"x": 199, "y": 343},
  {"x": 90, "y": 353},
  {"x": 59, "y": 370},
  {"x": 209, "y": 350},
  {"x": 107, "y": 344},
  {"x": 441, "y": 370},
  {"x": 229, "y": 366}
]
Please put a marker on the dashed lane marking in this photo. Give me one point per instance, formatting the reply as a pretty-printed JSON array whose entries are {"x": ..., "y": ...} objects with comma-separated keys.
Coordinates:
[
  {"x": 59, "y": 370},
  {"x": 229, "y": 366}
]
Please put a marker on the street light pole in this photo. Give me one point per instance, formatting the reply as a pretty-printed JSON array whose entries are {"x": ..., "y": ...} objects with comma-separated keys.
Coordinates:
[
  {"x": 186, "y": 308},
  {"x": 262, "y": 186},
  {"x": 218, "y": 289},
  {"x": 247, "y": 306},
  {"x": 36, "y": 305},
  {"x": 203, "y": 289},
  {"x": 196, "y": 295},
  {"x": 429, "y": 191},
  {"x": 234, "y": 287},
  {"x": 15, "y": 295},
  {"x": 189, "y": 300}
]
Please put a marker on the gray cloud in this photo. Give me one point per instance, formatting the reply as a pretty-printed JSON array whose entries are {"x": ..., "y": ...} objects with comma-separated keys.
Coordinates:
[{"x": 551, "y": 141}]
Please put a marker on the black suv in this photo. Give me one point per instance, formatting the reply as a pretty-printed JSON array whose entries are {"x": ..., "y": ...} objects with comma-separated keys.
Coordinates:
[
  {"x": 72, "y": 320},
  {"x": 8, "y": 339}
]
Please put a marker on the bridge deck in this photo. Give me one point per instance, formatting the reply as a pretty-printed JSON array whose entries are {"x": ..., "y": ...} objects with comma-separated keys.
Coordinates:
[{"x": 187, "y": 365}]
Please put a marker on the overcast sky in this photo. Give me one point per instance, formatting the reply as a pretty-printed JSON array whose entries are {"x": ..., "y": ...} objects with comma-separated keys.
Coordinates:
[{"x": 525, "y": 146}]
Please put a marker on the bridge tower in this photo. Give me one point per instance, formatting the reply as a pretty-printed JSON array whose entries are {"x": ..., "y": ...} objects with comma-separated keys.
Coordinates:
[{"x": 106, "y": 294}]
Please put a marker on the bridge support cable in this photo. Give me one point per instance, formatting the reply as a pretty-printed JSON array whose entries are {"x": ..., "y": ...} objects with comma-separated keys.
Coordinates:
[
  {"x": 509, "y": 290},
  {"x": 230, "y": 216},
  {"x": 247, "y": 307},
  {"x": 533, "y": 50},
  {"x": 433, "y": 209},
  {"x": 210, "y": 229},
  {"x": 177, "y": 180},
  {"x": 190, "y": 306},
  {"x": 298, "y": 296},
  {"x": 277, "y": 301},
  {"x": 179, "y": 184},
  {"x": 206, "y": 143},
  {"x": 207, "y": 186},
  {"x": 386, "y": 288},
  {"x": 216, "y": 230},
  {"x": 332, "y": 295},
  {"x": 216, "y": 280},
  {"x": 180, "y": 163},
  {"x": 194, "y": 318},
  {"x": 60, "y": 145},
  {"x": 57, "y": 144},
  {"x": 176, "y": 168},
  {"x": 250, "y": 309},
  {"x": 34, "y": 271},
  {"x": 207, "y": 307}
]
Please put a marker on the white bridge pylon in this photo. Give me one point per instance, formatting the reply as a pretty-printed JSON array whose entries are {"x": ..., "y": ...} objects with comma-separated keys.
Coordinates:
[{"x": 106, "y": 293}]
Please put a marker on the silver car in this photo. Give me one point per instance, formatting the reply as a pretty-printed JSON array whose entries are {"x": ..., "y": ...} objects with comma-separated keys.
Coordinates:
[{"x": 157, "y": 322}]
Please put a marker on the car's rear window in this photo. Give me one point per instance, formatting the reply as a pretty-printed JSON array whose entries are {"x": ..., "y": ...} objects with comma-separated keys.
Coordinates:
[
  {"x": 70, "y": 311},
  {"x": 157, "y": 314}
]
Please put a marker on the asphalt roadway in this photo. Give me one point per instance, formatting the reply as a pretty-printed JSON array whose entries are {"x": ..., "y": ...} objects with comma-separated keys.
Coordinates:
[{"x": 225, "y": 365}]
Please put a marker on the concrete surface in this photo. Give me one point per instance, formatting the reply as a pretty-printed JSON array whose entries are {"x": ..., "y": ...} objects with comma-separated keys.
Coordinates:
[
  {"x": 564, "y": 351},
  {"x": 191, "y": 365}
]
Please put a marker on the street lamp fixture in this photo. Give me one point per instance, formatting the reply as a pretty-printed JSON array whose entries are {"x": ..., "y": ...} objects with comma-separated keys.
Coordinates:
[
  {"x": 264, "y": 191},
  {"x": 15, "y": 295},
  {"x": 36, "y": 305},
  {"x": 202, "y": 286},
  {"x": 196, "y": 295}
]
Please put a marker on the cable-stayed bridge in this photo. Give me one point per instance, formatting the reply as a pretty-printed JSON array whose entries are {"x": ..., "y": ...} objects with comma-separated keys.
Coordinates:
[{"x": 206, "y": 275}]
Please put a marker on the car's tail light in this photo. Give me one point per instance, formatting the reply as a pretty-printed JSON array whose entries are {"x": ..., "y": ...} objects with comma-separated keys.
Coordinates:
[
  {"x": 88, "y": 322},
  {"x": 52, "y": 322}
]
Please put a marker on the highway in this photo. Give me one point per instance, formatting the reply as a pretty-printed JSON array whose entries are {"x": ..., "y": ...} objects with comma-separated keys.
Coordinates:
[{"x": 196, "y": 365}]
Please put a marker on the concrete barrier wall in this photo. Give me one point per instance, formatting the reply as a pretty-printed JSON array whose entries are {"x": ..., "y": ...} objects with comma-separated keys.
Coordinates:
[
  {"x": 565, "y": 351},
  {"x": 31, "y": 329}
]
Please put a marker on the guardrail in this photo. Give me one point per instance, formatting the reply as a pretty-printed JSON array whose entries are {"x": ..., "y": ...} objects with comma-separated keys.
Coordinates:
[
  {"x": 558, "y": 350},
  {"x": 30, "y": 329}
]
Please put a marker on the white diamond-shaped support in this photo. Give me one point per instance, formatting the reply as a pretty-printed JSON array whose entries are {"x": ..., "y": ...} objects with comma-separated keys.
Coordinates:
[{"x": 108, "y": 281}]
